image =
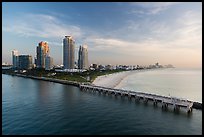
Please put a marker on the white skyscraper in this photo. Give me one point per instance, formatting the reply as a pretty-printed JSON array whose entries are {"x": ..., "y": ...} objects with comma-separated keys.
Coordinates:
[
  {"x": 68, "y": 52},
  {"x": 15, "y": 58},
  {"x": 83, "y": 57}
]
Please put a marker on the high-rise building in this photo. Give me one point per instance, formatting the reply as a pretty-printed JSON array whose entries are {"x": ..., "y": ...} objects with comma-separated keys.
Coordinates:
[
  {"x": 15, "y": 58},
  {"x": 48, "y": 63},
  {"x": 25, "y": 62},
  {"x": 83, "y": 57},
  {"x": 68, "y": 52},
  {"x": 42, "y": 51},
  {"x": 80, "y": 58}
]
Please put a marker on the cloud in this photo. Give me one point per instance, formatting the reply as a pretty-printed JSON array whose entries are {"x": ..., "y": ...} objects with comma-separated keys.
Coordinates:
[
  {"x": 121, "y": 46},
  {"x": 189, "y": 30},
  {"x": 148, "y": 36},
  {"x": 105, "y": 43},
  {"x": 146, "y": 41},
  {"x": 52, "y": 43},
  {"x": 40, "y": 25},
  {"x": 151, "y": 8}
]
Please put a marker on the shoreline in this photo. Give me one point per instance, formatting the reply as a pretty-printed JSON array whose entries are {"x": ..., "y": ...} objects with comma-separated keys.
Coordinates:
[{"x": 113, "y": 80}]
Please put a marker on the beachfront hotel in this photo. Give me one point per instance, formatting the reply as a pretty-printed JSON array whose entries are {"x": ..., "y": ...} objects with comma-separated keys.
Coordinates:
[
  {"x": 83, "y": 57},
  {"x": 42, "y": 51},
  {"x": 68, "y": 52}
]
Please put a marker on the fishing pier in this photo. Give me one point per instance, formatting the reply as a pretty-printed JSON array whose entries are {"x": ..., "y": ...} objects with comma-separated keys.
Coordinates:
[{"x": 165, "y": 101}]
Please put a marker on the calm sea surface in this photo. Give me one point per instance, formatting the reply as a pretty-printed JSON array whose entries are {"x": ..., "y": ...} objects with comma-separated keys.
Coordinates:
[
  {"x": 174, "y": 82},
  {"x": 39, "y": 107}
]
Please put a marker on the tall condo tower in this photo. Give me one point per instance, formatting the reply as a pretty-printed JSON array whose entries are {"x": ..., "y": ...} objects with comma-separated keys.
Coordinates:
[
  {"x": 68, "y": 52},
  {"x": 83, "y": 57},
  {"x": 42, "y": 51},
  {"x": 15, "y": 58}
]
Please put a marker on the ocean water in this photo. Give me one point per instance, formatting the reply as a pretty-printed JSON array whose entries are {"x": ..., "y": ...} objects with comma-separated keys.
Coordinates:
[
  {"x": 45, "y": 108},
  {"x": 182, "y": 83}
]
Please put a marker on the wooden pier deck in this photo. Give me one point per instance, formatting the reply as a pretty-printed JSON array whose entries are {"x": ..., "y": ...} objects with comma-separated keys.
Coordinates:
[{"x": 164, "y": 100}]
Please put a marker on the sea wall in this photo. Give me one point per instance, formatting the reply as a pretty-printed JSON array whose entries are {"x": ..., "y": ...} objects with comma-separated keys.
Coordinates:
[{"x": 51, "y": 80}]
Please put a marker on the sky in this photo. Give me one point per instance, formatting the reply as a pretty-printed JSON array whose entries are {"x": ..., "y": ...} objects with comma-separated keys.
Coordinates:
[{"x": 127, "y": 33}]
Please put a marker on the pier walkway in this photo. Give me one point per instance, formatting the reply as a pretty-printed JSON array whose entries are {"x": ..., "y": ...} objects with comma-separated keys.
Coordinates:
[{"x": 165, "y": 101}]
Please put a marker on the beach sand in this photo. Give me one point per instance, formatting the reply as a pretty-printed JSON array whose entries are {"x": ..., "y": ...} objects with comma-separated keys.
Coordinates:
[{"x": 111, "y": 80}]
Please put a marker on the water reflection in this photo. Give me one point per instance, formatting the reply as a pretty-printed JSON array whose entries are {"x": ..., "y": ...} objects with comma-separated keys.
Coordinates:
[{"x": 43, "y": 92}]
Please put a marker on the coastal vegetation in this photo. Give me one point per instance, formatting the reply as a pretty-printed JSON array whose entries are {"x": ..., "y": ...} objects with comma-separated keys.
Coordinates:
[{"x": 87, "y": 76}]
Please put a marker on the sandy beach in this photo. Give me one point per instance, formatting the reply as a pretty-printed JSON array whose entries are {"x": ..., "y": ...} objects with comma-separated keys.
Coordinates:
[
  {"x": 111, "y": 80},
  {"x": 114, "y": 80}
]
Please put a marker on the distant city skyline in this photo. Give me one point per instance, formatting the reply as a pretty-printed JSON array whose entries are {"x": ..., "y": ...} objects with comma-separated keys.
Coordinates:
[{"x": 117, "y": 33}]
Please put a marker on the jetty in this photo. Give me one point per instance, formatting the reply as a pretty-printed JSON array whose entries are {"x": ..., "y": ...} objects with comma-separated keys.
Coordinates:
[{"x": 165, "y": 101}]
